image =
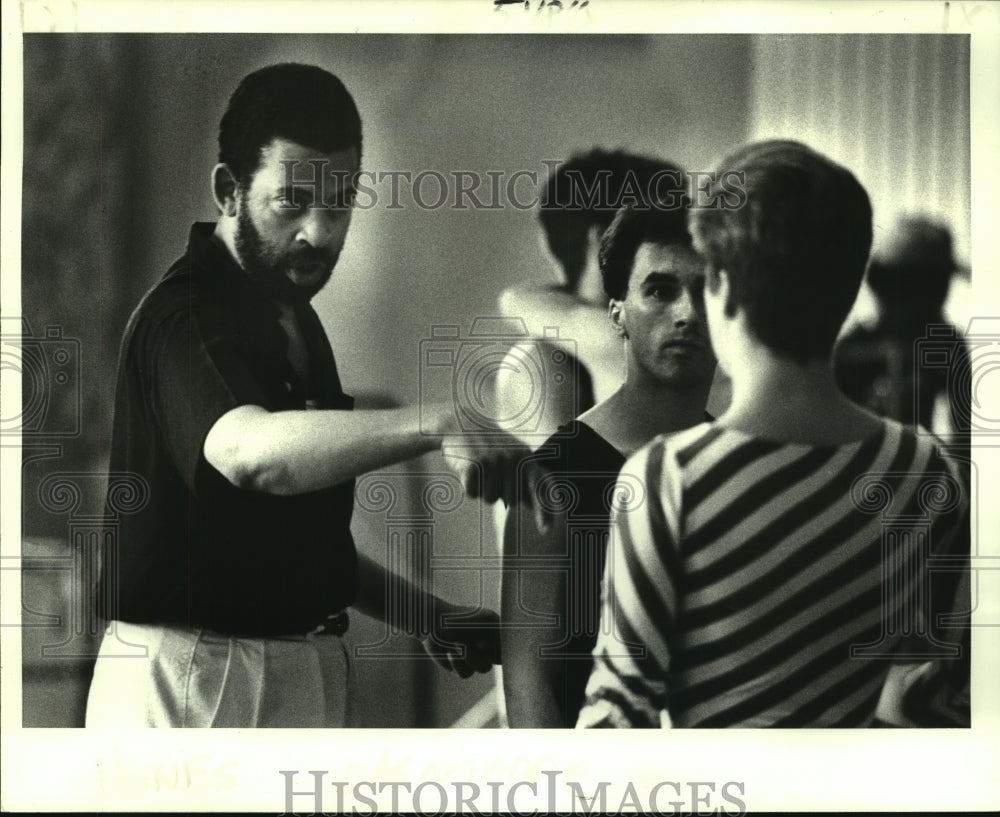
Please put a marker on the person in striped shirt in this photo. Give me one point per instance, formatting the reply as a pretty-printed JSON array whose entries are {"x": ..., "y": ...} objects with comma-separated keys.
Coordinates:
[{"x": 783, "y": 557}]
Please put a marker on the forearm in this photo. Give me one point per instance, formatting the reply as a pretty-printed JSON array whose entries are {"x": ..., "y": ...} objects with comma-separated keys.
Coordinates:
[
  {"x": 466, "y": 646},
  {"x": 529, "y": 687},
  {"x": 612, "y": 702},
  {"x": 626, "y": 687},
  {"x": 533, "y": 681},
  {"x": 389, "y": 597},
  {"x": 291, "y": 452},
  {"x": 533, "y": 612}
]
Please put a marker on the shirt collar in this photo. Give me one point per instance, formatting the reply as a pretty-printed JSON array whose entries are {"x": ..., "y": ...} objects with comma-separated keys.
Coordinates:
[
  {"x": 212, "y": 257},
  {"x": 210, "y": 252}
]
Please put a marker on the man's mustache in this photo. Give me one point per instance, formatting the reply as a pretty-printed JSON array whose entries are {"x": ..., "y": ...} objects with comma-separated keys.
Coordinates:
[{"x": 311, "y": 257}]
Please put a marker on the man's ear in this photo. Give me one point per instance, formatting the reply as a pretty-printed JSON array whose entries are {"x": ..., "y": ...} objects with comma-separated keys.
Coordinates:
[
  {"x": 594, "y": 239},
  {"x": 616, "y": 311},
  {"x": 224, "y": 187}
]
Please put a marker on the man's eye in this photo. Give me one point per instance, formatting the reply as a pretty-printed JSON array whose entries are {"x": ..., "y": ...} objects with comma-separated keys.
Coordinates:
[
  {"x": 344, "y": 201},
  {"x": 296, "y": 199}
]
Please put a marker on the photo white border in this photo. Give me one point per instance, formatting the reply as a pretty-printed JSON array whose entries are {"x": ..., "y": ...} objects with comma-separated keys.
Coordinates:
[{"x": 795, "y": 770}]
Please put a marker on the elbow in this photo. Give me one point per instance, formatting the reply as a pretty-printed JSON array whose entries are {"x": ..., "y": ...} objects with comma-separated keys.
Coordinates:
[
  {"x": 261, "y": 474},
  {"x": 248, "y": 458},
  {"x": 261, "y": 467}
]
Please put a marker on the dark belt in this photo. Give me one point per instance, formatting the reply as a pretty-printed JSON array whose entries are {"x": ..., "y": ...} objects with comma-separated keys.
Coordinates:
[{"x": 333, "y": 624}]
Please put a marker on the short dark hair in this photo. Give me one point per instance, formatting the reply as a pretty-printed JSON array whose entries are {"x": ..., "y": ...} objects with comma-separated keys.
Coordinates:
[
  {"x": 631, "y": 228},
  {"x": 588, "y": 189},
  {"x": 302, "y": 103},
  {"x": 795, "y": 251}
]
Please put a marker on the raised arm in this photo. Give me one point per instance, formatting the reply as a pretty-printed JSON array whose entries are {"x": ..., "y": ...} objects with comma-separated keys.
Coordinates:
[
  {"x": 292, "y": 452},
  {"x": 584, "y": 329},
  {"x": 214, "y": 413}
]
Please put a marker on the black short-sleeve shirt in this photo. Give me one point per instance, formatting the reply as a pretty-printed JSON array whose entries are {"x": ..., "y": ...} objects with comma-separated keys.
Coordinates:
[
  {"x": 588, "y": 465},
  {"x": 200, "y": 551},
  {"x": 584, "y": 469}
]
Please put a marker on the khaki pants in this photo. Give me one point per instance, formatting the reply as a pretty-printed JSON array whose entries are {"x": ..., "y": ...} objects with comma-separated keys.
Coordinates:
[{"x": 198, "y": 678}]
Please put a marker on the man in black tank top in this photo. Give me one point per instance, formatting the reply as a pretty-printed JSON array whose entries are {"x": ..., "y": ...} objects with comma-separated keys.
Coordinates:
[{"x": 552, "y": 580}]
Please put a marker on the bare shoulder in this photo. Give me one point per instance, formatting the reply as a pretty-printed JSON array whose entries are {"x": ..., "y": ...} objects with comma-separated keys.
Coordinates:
[{"x": 537, "y": 390}]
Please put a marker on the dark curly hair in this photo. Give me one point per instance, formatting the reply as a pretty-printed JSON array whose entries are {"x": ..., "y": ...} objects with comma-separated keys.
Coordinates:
[
  {"x": 589, "y": 188},
  {"x": 302, "y": 103},
  {"x": 631, "y": 228}
]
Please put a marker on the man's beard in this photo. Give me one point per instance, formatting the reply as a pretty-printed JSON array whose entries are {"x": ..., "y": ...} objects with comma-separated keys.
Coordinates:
[{"x": 268, "y": 268}]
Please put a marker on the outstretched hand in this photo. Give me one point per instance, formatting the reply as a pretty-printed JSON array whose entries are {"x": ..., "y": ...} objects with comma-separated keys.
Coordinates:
[
  {"x": 497, "y": 467},
  {"x": 465, "y": 640}
]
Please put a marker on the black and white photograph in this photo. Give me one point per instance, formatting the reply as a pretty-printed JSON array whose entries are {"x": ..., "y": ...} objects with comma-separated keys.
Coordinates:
[{"x": 395, "y": 393}]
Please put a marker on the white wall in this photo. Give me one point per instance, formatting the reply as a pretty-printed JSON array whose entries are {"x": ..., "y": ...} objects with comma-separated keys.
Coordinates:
[{"x": 892, "y": 108}]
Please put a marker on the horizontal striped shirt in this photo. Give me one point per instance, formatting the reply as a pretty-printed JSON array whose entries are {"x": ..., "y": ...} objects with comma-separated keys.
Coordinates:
[{"x": 759, "y": 583}]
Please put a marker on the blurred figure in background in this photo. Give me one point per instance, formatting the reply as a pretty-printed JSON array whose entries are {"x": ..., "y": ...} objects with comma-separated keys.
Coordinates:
[
  {"x": 912, "y": 365},
  {"x": 877, "y": 365}
]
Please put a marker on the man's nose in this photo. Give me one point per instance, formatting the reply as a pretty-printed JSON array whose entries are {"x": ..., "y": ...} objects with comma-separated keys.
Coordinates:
[
  {"x": 686, "y": 308},
  {"x": 317, "y": 228}
]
